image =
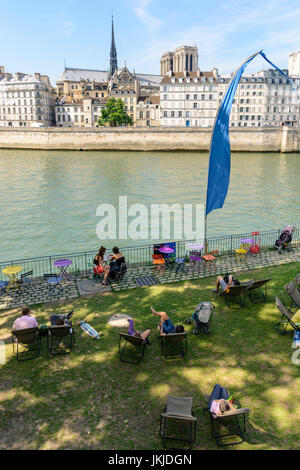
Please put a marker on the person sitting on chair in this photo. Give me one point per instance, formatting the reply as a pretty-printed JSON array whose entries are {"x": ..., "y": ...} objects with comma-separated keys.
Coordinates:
[
  {"x": 139, "y": 334},
  {"x": 225, "y": 282},
  {"x": 25, "y": 321},
  {"x": 166, "y": 325},
  {"x": 99, "y": 268},
  {"x": 117, "y": 259}
]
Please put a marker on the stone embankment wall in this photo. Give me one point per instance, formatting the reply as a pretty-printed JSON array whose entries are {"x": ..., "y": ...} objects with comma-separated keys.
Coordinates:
[{"x": 283, "y": 139}]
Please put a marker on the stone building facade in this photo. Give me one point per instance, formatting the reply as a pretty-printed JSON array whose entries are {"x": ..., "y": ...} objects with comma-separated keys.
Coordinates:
[
  {"x": 26, "y": 100},
  {"x": 84, "y": 113},
  {"x": 191, "y": 99},
  {"x": 148, "y": 111}
]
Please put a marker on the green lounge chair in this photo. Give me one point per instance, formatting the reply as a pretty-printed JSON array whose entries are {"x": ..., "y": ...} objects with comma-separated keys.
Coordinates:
[
  {"x": 173, "y": 345},
  {"x": 131, "y": 355},
  {"x": 29, "y": 339},
  {"x": 60, "y": 339},
  {"x": 286, "y": 319},
  {"x": 233, "y": 421},
  {"x": 255, "y": 288},
  {"x": 293, "y": 291},
  {"x": 178, "y": 410}
]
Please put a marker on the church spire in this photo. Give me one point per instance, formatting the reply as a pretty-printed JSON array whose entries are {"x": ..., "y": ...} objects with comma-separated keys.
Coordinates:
[{"x": 113, "y": 51}]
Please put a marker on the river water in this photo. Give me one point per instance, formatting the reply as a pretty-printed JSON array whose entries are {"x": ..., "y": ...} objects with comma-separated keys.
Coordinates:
[{"x": 48, "y": 199}]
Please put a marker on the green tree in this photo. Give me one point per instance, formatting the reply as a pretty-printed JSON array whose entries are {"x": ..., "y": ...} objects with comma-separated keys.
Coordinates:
[{"x": 114, "y": 114}]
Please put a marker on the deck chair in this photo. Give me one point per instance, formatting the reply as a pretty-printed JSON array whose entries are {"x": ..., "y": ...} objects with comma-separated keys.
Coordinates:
[
  {"x": 60, "y": 339},
  {"x": 286, "y": 319},
  {"x": 235, "y": 295},
  {"x": 256, "y": 287},
  {"x": 173, "y": 345},
  {"x": 178, "y": 410},
  {"x": 233, "y": 421},
  {"x": 131, "y": 355},
  {"x": 29, "y": 339},
  {"x": 293, "y": 291}
]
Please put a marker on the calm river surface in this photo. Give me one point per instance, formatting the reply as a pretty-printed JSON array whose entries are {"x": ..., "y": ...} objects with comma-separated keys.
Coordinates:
[{"x": 48, "y": 199}]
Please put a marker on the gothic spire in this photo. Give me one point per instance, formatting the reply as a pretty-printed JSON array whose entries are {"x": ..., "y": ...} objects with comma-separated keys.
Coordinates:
[{"x": 113, "y": 51}]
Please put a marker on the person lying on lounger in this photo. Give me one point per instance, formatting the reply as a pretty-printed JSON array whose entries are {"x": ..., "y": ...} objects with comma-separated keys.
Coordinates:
[
  {"x": 140, "y": 334},
  {"x": 166, "y": 325},
  {"x": 225, "y": 282},
  {"x": 218, "y": 407}
]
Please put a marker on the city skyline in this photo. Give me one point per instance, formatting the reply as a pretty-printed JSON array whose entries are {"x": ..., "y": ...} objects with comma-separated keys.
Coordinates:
[{"x": 44, "y": 40}]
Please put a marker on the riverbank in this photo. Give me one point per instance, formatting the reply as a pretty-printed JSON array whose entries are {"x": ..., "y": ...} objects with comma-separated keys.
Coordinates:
[{"x": 264, "y": 139}]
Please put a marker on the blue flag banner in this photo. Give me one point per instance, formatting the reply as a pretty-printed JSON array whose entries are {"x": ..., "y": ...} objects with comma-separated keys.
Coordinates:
[{"x": 219, "y": 157}]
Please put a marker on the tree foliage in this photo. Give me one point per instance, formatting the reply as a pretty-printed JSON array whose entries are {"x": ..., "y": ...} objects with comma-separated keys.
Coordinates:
[{"x": 114, "y": 114}]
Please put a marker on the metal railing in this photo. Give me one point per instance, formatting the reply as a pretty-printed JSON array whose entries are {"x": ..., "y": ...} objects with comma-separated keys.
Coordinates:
[{"x": 141, "y": 254}]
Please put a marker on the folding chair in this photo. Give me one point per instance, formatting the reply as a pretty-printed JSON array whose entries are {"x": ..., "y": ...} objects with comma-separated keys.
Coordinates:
[
  {"x": 131, "y": 355},
  {"x": 119, "y": 274},
  {"x": 3, "y": 285},
  {"x": 233, "y": 421},
  {"x": 53, "y": 281},
  {"x": 96, "y": 276},
  {"x": 256, "y": 286},
  {"x": 173, "y": 345},
  {"x": 178, "y": 410},
  {"x": 210, "y": 258},
  {"x": 60, "y": 339},
  {"x": 26, "y": 278},
  {"x": 286, "y": 319},
  {"x": 293, "y": 291},
  {"x": 29, "y": 339}
]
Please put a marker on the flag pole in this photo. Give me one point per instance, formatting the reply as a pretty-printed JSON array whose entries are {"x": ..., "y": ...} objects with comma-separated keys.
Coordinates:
[{"x": 211, "y": 137}]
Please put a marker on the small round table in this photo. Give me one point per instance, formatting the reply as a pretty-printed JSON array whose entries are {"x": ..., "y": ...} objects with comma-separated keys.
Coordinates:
[
  {"x": 63, "y": 264},
  {"x": 11, "y": 272},
  {"x": 196, "y": 246},
  {"x": 166, "y": 249}
]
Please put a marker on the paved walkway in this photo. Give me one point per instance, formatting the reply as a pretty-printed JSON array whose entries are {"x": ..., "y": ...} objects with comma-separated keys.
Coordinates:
[
  {"x": 38, "y": 291},
  {"x": 228, "y": 263}
]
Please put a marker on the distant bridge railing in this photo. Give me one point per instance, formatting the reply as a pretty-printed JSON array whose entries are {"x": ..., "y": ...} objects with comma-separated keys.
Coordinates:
[{"x": 140, "y": 254}]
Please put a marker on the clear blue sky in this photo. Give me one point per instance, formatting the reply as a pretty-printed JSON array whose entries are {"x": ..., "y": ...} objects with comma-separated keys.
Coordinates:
[{"x": 36, "y": 36}]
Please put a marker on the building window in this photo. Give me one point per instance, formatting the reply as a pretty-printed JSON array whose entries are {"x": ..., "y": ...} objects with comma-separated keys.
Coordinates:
[{"x": 195, "y": 106}]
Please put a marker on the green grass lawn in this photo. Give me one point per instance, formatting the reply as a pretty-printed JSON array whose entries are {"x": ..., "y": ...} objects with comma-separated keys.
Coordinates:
[{"x": 91, "y": 400}]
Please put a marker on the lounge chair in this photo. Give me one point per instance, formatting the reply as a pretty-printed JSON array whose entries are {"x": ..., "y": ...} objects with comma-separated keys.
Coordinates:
[
  {"x": 138, "y": 344},
  {"x": 293, "y": 291},
  {"x": 173, "y": 345},
  {"x": 29, "y": 339},
  {"x": 233, "y": 421},
  {"x": 235, "y": 294},
  {"x": 256, "y": 286},
  {"x": 178, "y": 410},
  {"x": 60, "y": 339},
  {"x": 286, "y": 319}
]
